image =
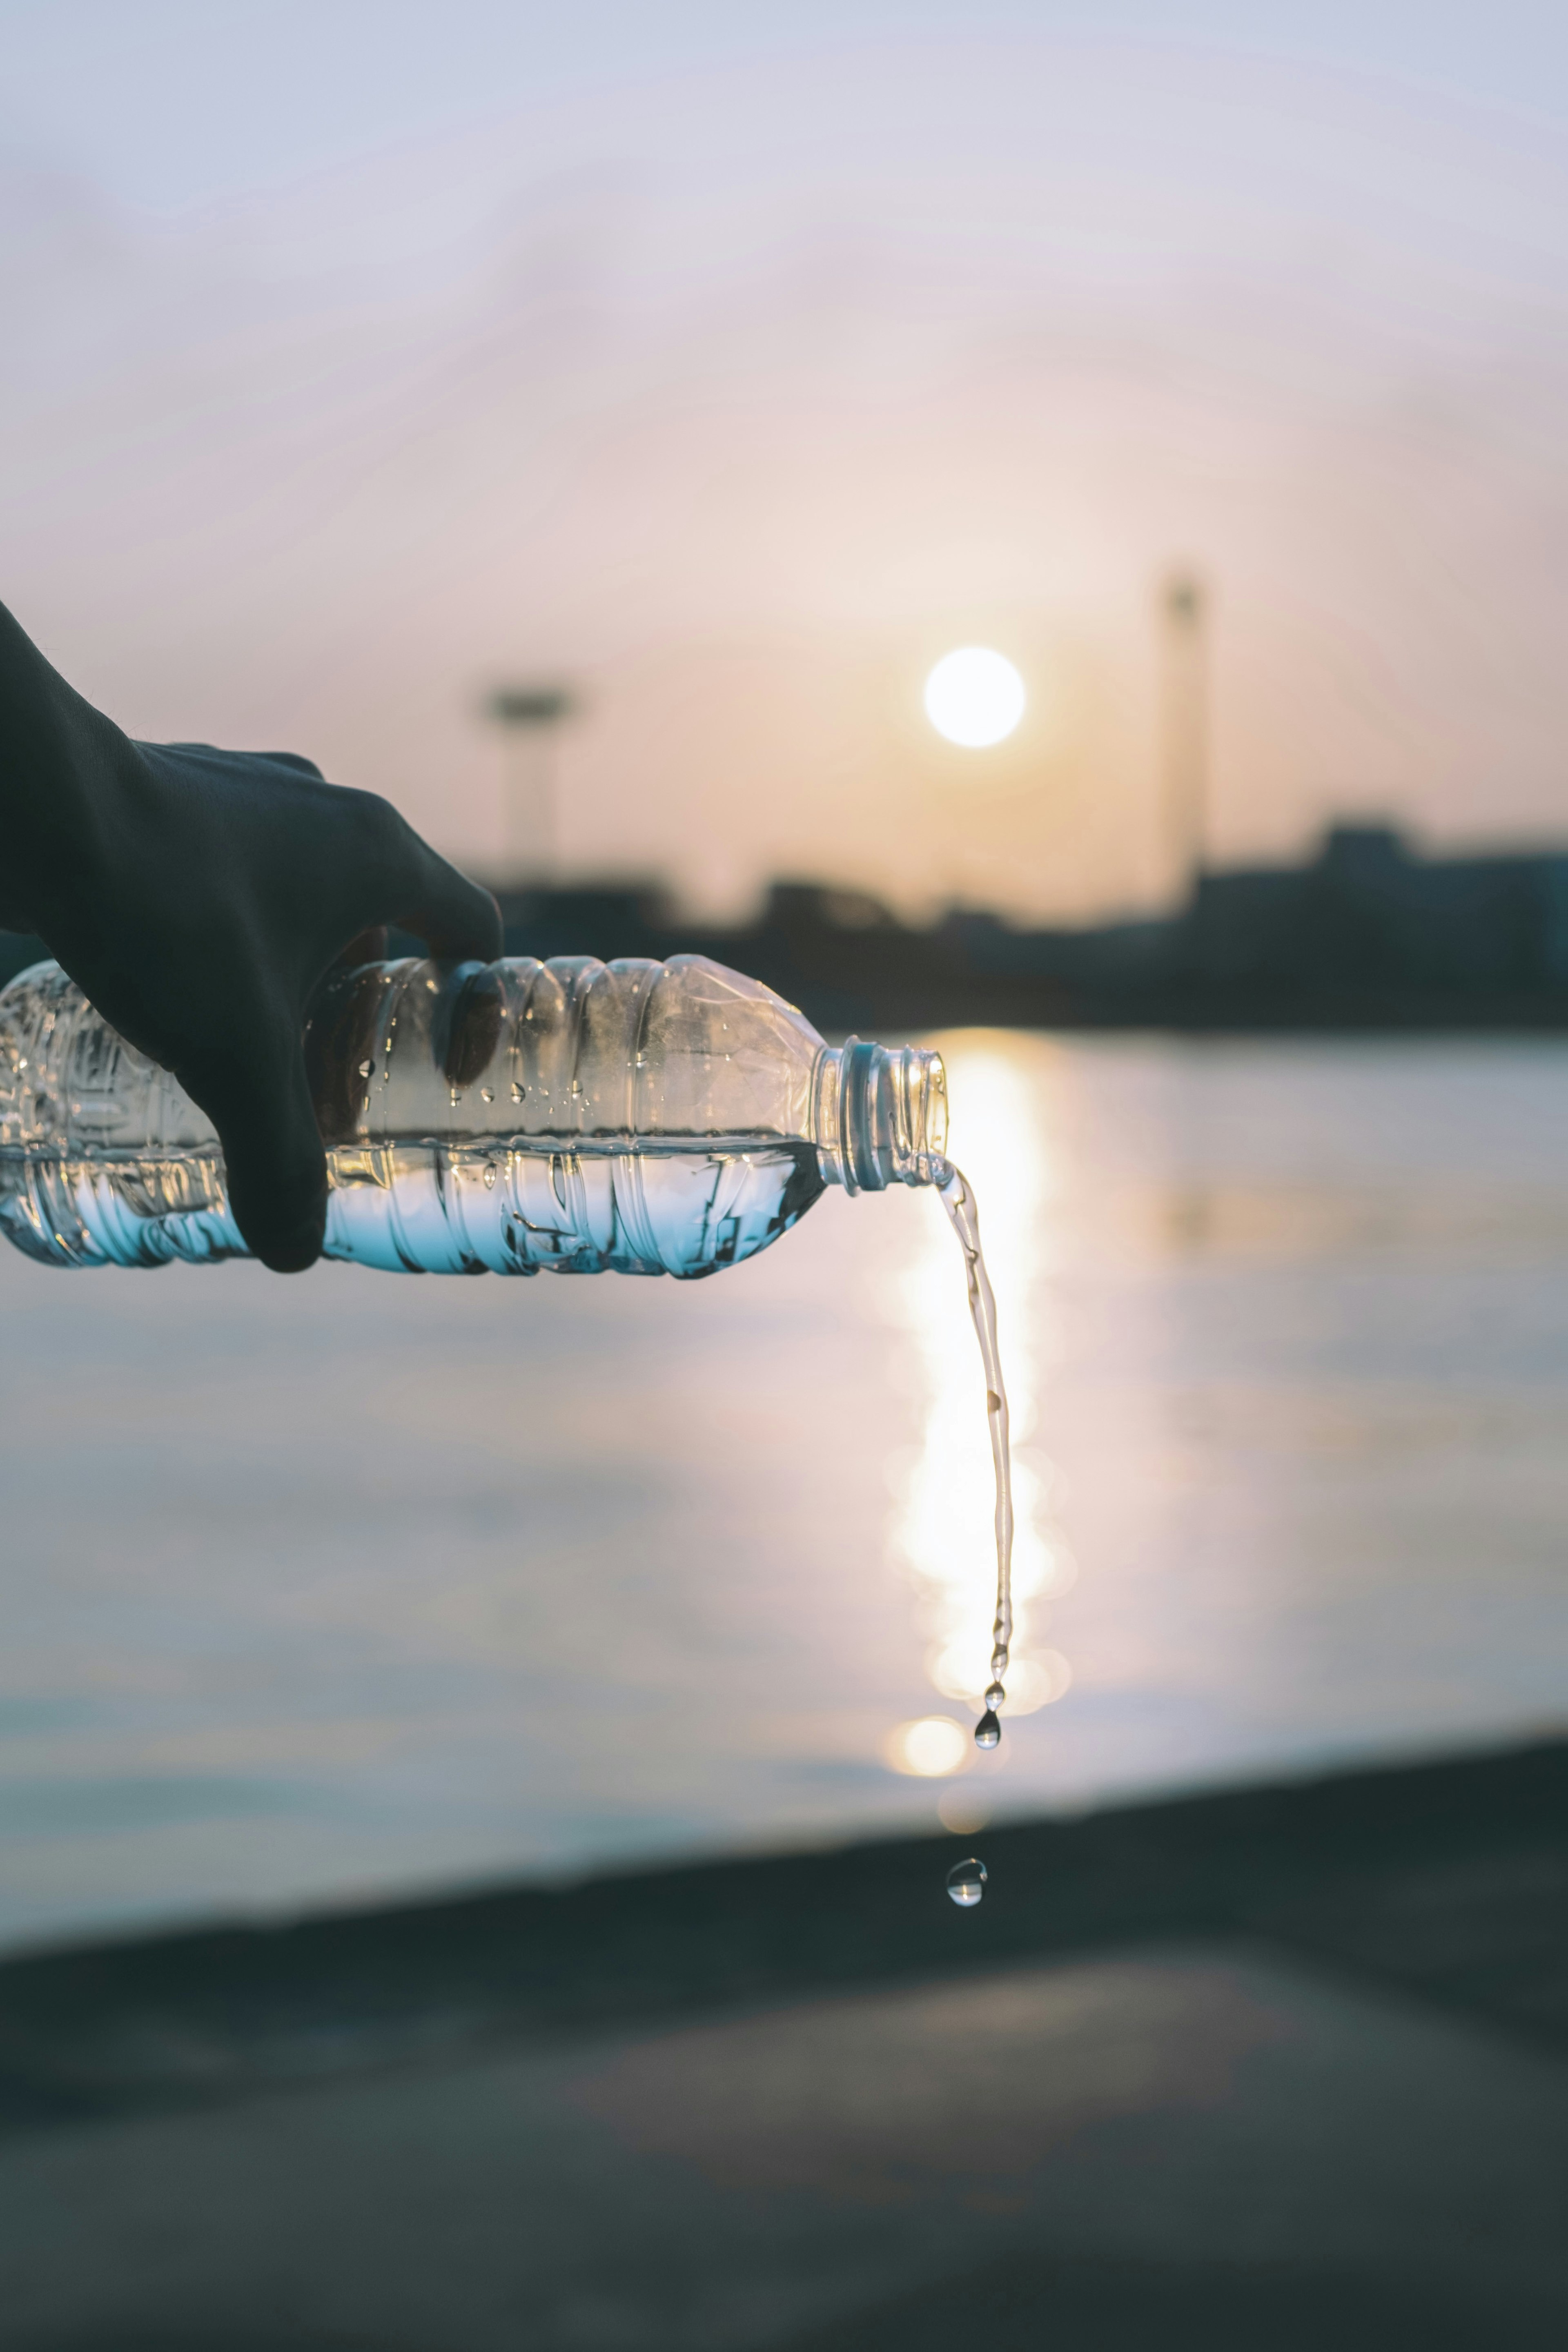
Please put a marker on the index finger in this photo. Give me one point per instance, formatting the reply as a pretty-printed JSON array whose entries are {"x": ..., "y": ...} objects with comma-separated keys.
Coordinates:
[{"x": 458, "y": 921}]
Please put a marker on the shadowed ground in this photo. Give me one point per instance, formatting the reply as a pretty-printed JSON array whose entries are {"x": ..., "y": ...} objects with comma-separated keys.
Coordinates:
[{"x": 1261, "y": 2070}]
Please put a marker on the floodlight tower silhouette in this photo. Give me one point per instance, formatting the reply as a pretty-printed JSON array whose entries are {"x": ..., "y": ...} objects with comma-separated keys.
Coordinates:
[
  {"x": 530, "y": 717},
  {"x": 1184, "y": 613}
]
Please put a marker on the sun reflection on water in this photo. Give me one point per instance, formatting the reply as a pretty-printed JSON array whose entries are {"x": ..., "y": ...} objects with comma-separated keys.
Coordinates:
[{"x": 941, "y": 1528}]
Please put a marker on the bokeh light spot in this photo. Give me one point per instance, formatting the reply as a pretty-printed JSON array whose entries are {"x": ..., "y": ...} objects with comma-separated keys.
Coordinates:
[{"x": 929, "y": 1747}]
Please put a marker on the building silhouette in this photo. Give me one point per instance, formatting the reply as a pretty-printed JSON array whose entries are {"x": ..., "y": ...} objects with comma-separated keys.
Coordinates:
[{"x": 1366, "y": 934}]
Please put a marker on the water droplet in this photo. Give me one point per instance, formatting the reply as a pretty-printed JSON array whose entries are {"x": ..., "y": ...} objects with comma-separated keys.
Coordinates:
[
  {"x": 966, "y": 1883},
  {"x": 365, "y": 1068},
  {"x": 995, "y": 1695},
  {"x": 486, "y": 1093},
  {"x": 457, "y": 1096},
  {"x": 489, "y": 1178},
  {"x": 989, "y": 1731},
  {"x": 516, "y": 1091}
]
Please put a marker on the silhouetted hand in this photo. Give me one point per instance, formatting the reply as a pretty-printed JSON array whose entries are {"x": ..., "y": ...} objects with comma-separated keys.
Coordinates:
[{"x": 199, "y": 898}]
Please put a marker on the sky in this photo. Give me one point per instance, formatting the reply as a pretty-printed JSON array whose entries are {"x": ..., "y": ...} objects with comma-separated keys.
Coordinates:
[{"x": 731, "y": 365}]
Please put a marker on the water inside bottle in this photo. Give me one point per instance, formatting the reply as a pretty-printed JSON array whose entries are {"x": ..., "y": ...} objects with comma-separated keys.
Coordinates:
[{"x": 417, "y": 1207}]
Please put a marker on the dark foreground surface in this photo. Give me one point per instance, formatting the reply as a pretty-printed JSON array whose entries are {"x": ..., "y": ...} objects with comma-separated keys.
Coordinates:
[{"x": 1267, "y": 2069}]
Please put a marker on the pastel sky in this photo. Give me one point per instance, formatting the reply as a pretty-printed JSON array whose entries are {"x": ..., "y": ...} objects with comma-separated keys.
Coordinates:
[{"x": 733, "y": 363}]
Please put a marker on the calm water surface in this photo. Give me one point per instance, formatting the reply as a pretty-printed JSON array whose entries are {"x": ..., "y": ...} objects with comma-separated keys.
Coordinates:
[{"x": 351, "y": 1584}]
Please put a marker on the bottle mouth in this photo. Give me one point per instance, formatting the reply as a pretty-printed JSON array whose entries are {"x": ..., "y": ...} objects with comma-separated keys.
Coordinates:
[{"x": 880, "y": 1116}]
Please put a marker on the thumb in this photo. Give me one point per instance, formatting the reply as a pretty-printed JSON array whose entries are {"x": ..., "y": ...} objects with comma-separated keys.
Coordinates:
[{"x": 276, "y": 1170}]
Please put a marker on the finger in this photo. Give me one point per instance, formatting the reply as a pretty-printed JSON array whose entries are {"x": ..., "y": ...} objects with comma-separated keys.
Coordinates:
[
  {"x": 277, "y": 1169},
  {"x": 237, "y": 763},
  {"x": 458, "y": 921},
  {"x": 295, "y": 760},
  {"x": 365, "y": 947},
  {"x": 461, "y": 925},
  {"x": 340, "y": 1021},
  {"x": 468, "y": 1023},
  {"x": 340, "y": 1027}
]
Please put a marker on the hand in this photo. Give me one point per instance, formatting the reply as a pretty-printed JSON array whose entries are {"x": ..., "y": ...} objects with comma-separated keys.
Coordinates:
[{"x": 199, "y": 898}]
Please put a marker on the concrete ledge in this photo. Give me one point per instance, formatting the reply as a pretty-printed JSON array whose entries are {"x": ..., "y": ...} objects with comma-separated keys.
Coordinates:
[
  {"x": 1193, "y": 2145},
  {"x": 1445, "y": 1880}
]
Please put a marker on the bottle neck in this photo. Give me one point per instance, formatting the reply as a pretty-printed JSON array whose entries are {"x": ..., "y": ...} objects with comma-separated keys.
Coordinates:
[{"x": 879, "y": 1116}]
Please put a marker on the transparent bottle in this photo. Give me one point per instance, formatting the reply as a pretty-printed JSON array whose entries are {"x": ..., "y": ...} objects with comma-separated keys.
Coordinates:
[{"x": 635, "y": 1116}]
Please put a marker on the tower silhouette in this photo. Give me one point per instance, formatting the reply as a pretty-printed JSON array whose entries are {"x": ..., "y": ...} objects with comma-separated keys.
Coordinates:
[
  {"x": 530, "y": 719},
  {"x": 1184, "y": 613}
]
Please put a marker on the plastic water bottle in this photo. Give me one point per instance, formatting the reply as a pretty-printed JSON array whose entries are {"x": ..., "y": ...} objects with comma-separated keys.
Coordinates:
[{"x": 635, "y": 1116}]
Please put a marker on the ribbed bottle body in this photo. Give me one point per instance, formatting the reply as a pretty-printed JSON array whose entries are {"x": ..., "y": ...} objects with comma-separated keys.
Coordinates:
[{"x": 634, "y": 1117}]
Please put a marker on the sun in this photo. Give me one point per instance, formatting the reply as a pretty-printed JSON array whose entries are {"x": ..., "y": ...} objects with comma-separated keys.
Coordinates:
[{"x": 974, "y": 696}]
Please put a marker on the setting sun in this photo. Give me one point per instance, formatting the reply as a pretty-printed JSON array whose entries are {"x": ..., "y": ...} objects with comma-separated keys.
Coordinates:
[{"x": 974, "y": 696}]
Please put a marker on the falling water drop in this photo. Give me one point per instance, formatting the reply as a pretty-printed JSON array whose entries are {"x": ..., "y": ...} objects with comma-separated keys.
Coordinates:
[
  {"x": 989, "y": 1731},
  {"x": 966, "y": 1883}
]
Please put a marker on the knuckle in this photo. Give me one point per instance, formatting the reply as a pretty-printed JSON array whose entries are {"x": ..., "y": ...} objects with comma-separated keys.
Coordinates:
[{"x": 383, "y": 833}]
